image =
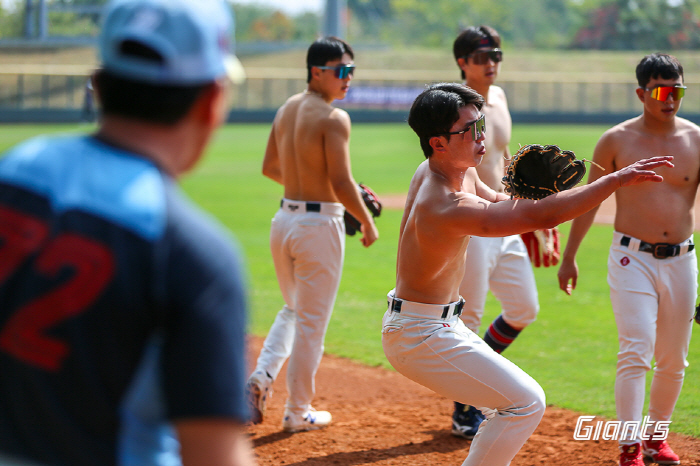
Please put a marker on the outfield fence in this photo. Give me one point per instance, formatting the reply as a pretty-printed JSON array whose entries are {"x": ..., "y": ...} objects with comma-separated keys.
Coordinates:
[{"x": 59, "y": 93}]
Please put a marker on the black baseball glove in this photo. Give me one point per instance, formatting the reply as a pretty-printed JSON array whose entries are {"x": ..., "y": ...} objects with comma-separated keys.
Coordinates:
[
  {"x": 353, "y": 225},
  {"x": 537, "y": 171}
]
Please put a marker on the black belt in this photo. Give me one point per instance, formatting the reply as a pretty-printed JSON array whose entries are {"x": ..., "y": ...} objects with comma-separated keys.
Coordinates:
[
  {"x": 310, "y": 206},
  {"x": 658, "y": 250}
]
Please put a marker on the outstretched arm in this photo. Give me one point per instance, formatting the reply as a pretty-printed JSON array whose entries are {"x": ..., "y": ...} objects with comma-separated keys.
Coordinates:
[{"x": 475, "y": 216}]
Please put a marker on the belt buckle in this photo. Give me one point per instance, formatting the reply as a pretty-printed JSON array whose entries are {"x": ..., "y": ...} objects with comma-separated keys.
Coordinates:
[
  {"x": 395, "y": 305},
  {"x": 460, "y": 307},
  {"x": 663, "y": 250}
]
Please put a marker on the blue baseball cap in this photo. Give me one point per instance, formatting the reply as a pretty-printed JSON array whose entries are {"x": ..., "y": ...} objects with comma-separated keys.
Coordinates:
[{"x": 169, "y": 42}]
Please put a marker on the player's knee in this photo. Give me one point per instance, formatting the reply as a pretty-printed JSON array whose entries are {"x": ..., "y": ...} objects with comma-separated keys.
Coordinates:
[
  {"x": 532, "y": 401},
  {"x": 539, "y": 400},
  {"x": 287, "y": 313},
  {"x": 522, "y": 316},
  {"x": 633, "y": 360},
  {"x": 671, "y": 369}
]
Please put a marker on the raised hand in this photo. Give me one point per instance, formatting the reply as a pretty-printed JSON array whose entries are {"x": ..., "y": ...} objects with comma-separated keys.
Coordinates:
[{"x": 642, "y": 171}]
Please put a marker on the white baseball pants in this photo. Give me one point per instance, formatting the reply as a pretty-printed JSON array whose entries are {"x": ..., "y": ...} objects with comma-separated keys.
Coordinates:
[
  {"x": 653, "y": 301},
  {"x": 307, "y": 247},
  {"x": 443, "y": 355},
  {"x": 503, "y": 266}
]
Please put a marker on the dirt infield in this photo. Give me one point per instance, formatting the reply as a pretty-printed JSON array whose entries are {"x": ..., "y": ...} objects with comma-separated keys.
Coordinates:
[{"x": 382, "y": 418}]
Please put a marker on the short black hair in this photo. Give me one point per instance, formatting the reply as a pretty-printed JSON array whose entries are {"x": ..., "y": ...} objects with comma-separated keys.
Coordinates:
[
  {"x": 473, "y": 38},
  {"x": 324, "y": 50},
  {"x": 436, "y": 109},
  {"x": 147, "y": 102},
  {"x": 658, "y": 65}
]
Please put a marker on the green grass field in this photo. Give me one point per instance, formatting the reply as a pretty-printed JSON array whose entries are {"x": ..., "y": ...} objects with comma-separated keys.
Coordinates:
[{"x": 571, "y": 348}]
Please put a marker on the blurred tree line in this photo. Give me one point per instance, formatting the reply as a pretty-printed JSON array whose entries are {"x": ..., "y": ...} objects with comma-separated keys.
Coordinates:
[
  {"x": 65, "y": 17},
  {"x": 546, "y": 24},
  {"x": 549, "y": 24}
]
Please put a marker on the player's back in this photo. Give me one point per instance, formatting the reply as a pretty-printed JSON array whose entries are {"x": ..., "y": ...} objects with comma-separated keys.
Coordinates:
[
  {"x": 95, "y": 244},
  {"x": 307, "y": 131}
]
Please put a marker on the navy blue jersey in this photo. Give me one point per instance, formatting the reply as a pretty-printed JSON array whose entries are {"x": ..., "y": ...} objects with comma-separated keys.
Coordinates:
[{"x": 122, "y": 307}]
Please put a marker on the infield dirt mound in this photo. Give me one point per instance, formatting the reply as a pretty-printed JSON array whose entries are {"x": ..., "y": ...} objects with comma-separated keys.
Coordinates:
[{"x": 382, "y": 418}]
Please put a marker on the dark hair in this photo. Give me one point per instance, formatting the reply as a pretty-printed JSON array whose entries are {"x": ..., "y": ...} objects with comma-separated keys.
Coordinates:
[
  {"x": 143, "y": 101},
  {"x": 658, "y": 65},
  {"x": 324, "y": 50},
  {"x": 473, "y": 38},
  {"x": 436, "y": 109}
]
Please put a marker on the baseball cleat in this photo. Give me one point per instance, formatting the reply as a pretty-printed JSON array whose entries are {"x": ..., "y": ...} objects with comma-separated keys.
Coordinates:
[
  {"x": 659, "y": 452},
  {"x": 631, "y": 455},
  {"x": 311, "y": 420},
  {"x": 258, "y": 390},
  {"x": 466, "y": 421}
]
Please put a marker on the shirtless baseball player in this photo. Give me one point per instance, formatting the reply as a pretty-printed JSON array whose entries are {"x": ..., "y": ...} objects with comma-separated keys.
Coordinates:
[
  {"x": 422, "y": 334},
  {"x": 652, "y": 265},
  {"x": 308, "y": 154},
  {"x": 501, "y": 265}
]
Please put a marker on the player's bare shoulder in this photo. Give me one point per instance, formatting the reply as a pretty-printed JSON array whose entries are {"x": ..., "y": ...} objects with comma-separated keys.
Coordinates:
[
  {"x": 324, "y": 117},
  {"x": 439, "y": 204},
  {"x": 496, "y": 94},
  {"x": 621, "y": 131},
  {"x": 496, "y": 106},
  {"x": 338, "y": 116},
  {"x": 288, "y": 110},
  {"x": 688, "y": 134},
  {"x": 617, "y": 141},
  {"x": 292, "y": 102},
  {"x": 425, "y": 195},
  {"x": 691, "y": 129},
  {"x": 685, "y": 148}
]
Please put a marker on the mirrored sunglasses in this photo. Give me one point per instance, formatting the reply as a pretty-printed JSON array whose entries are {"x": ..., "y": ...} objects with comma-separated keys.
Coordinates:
[
  {"x": 477, "y": 127},
  {"x": 341, "y": 71},
  {"x": 662, "y": 92},
  {"x": 482, "y": 58}
]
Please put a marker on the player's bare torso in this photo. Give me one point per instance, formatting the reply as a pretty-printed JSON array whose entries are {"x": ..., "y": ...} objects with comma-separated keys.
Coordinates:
[
  {"x": 657, "y": 212},
  {"x": 498, "y": 134},
  {"x": 430, "y": 260},
  {"x": 301, "y": 131}
]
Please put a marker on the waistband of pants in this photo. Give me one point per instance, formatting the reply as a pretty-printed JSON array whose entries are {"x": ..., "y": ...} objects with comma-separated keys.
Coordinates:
[
  {"x": 302, "y": 207},
  {"x": 422, "y": 310},
  {"x": 658, "y": 250}
]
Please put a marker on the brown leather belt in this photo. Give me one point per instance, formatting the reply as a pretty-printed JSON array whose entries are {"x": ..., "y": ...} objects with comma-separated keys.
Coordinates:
[{"x": 659, "y": 250}]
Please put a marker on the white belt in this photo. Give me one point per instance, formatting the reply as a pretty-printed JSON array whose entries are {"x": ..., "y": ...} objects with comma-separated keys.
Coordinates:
[
  {"x": 301, "y": 207},
  {"x": 422, "y": 310}
]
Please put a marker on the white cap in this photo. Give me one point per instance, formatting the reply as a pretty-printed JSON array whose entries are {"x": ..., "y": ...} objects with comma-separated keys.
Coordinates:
[{"x": 169, "y": 42}]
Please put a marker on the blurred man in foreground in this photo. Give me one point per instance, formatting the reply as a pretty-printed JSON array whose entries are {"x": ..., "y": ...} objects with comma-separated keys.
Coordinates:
[{"x": 122, "y": 307}]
